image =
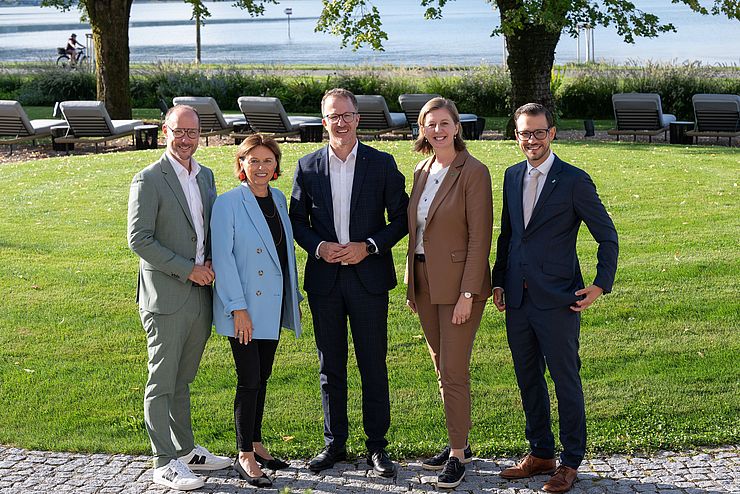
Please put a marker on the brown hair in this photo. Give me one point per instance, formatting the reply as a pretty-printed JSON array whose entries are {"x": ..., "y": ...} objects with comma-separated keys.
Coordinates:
[
  {"x": 534, "y": 109},
  {"x": 421, "y": 144},
  {"x": 251, "y": 142},
  {"x": 338, "y": 92}
]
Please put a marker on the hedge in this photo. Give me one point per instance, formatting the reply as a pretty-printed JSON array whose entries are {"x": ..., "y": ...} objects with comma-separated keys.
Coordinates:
[{"x": 580, "y": 91}]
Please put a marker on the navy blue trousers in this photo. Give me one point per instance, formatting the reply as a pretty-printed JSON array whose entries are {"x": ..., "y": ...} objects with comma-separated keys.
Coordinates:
[
  {"x": 368, "y": 319},
  {"x": 541, "y": 339}
]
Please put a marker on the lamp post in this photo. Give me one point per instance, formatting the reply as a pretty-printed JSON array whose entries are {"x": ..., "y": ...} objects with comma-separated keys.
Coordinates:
[{"x": 288, "y": 12}]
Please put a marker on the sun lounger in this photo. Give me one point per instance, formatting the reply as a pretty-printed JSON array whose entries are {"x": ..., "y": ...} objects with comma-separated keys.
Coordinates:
[
  {"x": 375, "y": 119},
  {"x": 212, "y": 121},
  {"x": 89, "y": 122},
  {"x": 266, "y": 115},
  {"x": 717, "y": 115},
  {"x": 639, "y": 114},
  {"x": 15, "y": 126}
]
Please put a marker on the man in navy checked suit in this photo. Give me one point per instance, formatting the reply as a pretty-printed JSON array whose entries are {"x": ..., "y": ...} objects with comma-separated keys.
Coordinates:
[
  {"x": 341, "y": 195},
  {"x": 537, "y": 269}
]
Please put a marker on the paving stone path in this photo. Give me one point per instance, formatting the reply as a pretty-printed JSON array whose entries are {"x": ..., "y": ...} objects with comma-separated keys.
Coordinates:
[{"x": 715, "y": 470}]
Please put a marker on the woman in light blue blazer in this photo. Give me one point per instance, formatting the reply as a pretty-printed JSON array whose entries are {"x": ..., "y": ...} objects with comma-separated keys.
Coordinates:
[{"x": 256, "y": 290}]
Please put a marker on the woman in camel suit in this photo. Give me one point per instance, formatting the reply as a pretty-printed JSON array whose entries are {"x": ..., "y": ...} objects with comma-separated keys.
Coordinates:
[{"x": 449, "y": 280}]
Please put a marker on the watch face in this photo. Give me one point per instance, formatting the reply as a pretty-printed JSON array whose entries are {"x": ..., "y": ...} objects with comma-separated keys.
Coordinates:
[{"x": 371, "y": 249}]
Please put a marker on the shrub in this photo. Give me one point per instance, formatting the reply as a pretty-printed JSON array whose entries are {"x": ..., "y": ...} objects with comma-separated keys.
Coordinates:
[{"x": 49, "y": 86}]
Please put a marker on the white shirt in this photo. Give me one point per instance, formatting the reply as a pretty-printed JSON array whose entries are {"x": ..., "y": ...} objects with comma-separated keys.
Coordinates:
[
  {"x": 544, "y": 169},
  {"x": 341, "y": 177},
  {"x": 436, "y": 176},
  {"x": 189, "y": 184}
]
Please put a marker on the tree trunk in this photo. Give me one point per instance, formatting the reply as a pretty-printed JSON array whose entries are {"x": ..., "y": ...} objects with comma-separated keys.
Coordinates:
[
  {"x": 531, "y": 56},
  {"x": 109, "y": 22},
  {"x": 197, "y": 38}
]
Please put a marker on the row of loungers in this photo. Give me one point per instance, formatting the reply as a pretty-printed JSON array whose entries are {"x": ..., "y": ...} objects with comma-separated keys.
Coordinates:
[
  {"x": 267, "y": 115},
  {"x": 636, "y": 114},
  {"x": 641, "y": 114}
]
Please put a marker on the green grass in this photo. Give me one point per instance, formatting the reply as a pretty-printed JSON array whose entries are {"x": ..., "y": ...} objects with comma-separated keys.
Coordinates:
[{"x": 660, "y": 354}]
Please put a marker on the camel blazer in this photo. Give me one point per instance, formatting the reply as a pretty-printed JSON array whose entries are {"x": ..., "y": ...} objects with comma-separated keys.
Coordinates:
[
  {"x": 161, "y": 233},
  {"x": 457, "y": 238}
]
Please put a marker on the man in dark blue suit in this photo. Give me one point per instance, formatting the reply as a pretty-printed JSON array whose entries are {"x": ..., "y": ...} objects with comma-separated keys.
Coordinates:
[
  {"x": 341, "y": 194},
  {"x": 544, "y": 202}
]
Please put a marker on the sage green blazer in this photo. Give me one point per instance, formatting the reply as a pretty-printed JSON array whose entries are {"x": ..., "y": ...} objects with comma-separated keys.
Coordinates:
[{"x": 161, "y": 233}]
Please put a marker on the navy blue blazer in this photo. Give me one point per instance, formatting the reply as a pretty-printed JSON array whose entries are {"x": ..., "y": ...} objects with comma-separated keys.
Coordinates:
[
  {"x": 377, "y": 187},
  {"x": 544, "y": 254}
]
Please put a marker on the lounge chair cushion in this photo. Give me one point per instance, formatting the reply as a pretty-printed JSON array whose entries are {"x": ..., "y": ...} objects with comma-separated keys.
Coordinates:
[
  {"x": 640, "y": 111},
  {"x": 15, "y": 122},
  {"x": 91, "y": 119},
  {"x": 210, "y": 114},
  {"x": 374, "y": 114},
  {"x": 266, "y": 114}
]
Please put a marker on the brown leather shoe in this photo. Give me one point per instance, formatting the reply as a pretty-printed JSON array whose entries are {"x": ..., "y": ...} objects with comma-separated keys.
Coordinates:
[
  {"x": 528, "y": 467},
  {"x": 562, "y": 481}
]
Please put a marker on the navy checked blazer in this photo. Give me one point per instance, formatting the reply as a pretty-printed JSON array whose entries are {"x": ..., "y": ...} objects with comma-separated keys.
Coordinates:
[{"x": 378, "y": 187}]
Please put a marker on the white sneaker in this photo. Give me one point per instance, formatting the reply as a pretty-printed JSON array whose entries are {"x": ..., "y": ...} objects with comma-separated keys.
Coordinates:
[
  {"x": 176, "y": 475},
  {"x": 202, "y": 459}
]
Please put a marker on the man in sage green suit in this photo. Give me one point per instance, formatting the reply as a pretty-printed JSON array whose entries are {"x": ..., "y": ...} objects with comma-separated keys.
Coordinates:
[{"x": 168, "y": 216}]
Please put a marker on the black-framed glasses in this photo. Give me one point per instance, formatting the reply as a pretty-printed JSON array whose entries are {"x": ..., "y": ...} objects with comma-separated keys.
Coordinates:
[
  {"x": 347, "y": 117},
  {"x": 180, "y": 133},
  {"x": 538, "y": 134}
]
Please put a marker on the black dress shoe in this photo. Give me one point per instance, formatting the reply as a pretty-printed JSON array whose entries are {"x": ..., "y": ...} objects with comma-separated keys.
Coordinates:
[
  {"x": 381, "y": 463},
  {"x": 272, "y": 464},
  {"x": 327, "y": 458},
  {"x": 263, "y": 481}
]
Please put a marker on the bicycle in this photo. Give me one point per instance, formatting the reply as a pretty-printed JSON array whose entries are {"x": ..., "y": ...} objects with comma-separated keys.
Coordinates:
[{"x": 64, "y": 61}]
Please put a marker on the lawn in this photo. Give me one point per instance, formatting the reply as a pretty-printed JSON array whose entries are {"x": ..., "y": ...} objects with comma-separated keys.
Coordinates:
[{"x": 660, "y": 354}]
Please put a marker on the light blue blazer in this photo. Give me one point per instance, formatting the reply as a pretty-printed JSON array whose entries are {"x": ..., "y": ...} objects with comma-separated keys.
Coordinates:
[{"x": 247, "y": 267}]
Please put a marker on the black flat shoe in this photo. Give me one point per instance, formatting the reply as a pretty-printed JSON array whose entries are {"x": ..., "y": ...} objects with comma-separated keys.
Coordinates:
[
  {"x": 326, "y": 459},
  {"x": 381, "y": 463},
  {"x": 263, "y": 481},
  {"x": 271, "y": 464}
]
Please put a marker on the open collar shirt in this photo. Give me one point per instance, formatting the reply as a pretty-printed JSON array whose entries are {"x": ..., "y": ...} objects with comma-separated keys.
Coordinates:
[{"x": 189, "y": 183}]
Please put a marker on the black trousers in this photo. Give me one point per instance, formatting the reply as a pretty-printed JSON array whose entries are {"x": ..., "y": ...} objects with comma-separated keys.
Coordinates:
[
  {"x": 253, "y": 368},
  {"x": 368, "y": 319},
  {"x": 549, "y": 338}
]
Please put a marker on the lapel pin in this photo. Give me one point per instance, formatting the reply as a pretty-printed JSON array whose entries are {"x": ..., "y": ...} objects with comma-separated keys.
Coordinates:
[{"x": 554, "y": 180}]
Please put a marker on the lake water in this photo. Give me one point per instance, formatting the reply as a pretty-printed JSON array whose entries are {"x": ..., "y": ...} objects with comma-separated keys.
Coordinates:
[{"x": 164, "y": 31}]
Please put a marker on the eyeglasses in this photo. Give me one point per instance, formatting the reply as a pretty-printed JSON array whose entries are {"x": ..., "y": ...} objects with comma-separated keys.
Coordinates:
[
  {"x": 538, "y": 134},
  {"x": 180, "y": 133},
  {"x": 347, "y": 117}
]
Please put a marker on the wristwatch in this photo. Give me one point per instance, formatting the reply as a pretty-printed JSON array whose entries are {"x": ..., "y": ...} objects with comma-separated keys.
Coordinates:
[
  {"x": 371, "y": 249},
  {"x": 467, "y": 295}
]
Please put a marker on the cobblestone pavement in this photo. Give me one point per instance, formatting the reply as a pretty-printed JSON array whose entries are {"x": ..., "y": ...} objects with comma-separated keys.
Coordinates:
[{"x": 715, "y": 470}]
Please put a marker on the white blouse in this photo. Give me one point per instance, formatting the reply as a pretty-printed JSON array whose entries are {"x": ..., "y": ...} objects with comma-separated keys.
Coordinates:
[{"x": 434, "y": 181}]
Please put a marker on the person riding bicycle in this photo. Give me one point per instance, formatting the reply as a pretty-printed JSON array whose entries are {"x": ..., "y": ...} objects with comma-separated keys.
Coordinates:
[{"x": 71, "y": 48}]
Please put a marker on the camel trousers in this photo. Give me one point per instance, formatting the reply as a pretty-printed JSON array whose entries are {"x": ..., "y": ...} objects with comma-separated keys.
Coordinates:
[{"x": 450, "y": 346}]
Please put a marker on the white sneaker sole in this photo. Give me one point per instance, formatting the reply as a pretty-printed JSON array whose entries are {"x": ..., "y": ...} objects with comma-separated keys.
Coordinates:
[
  {"x": 180, "y": 486},
  {"x": 209, "y": 467},
  {"x": 450, "y": 485}
]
